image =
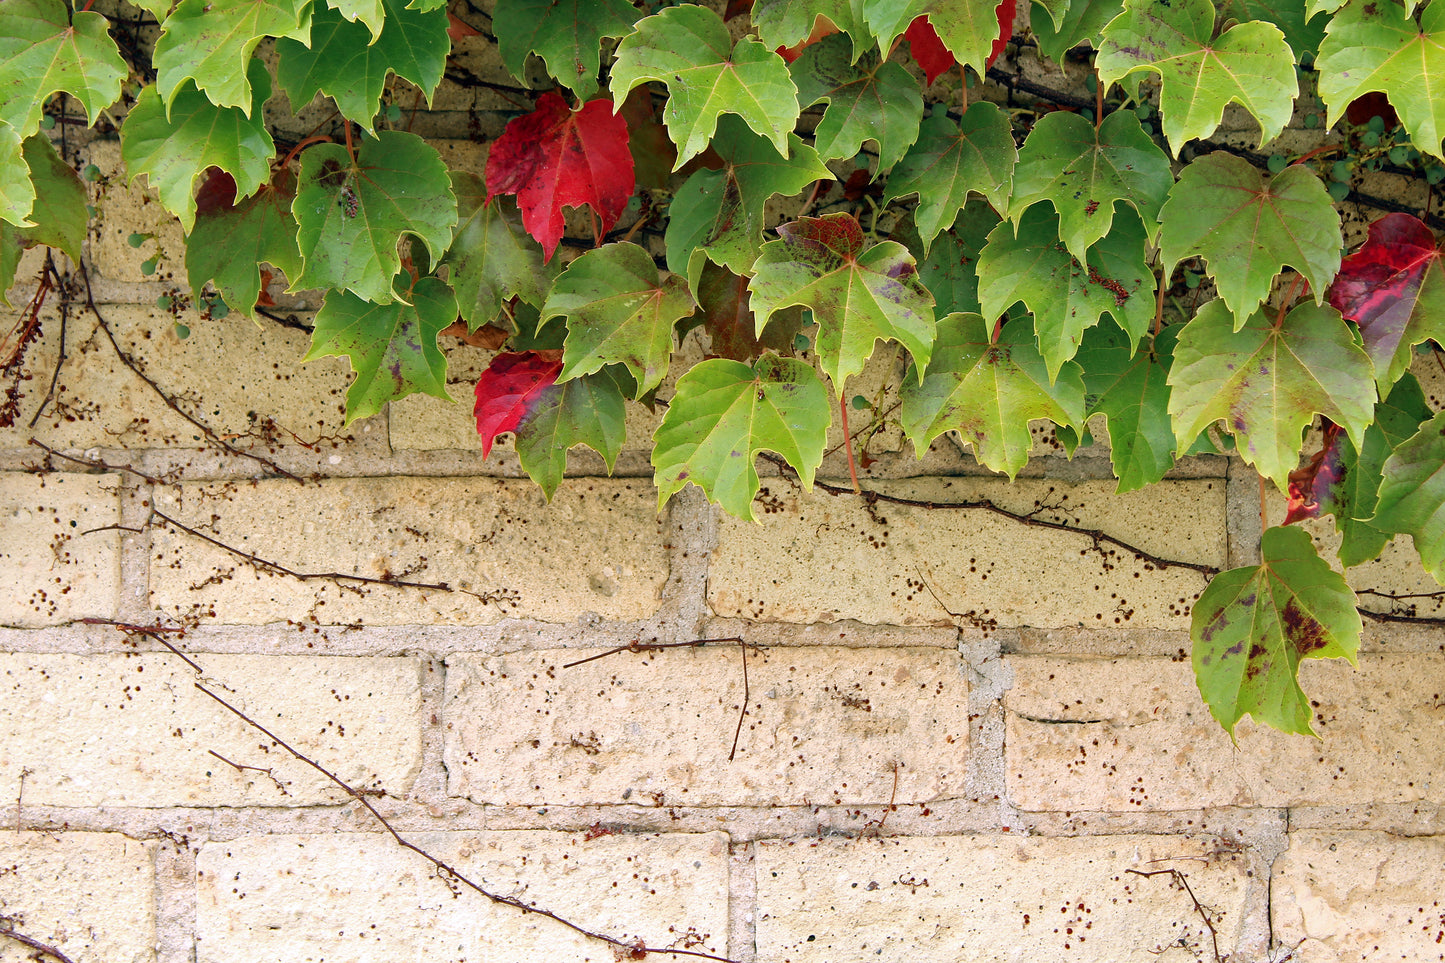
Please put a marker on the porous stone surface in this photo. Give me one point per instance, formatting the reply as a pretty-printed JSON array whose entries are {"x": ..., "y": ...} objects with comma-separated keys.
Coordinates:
[
  {"x": 820, "y": 557},
  {"x": 134, "y": 730},
  {"x": 361, "y": 898},
  {"x": 1133, "y": 735},
  {"x": 90, "y": 895},
  {"x": 991, "y": 898},
  {"x": 1346, "y": 896},
  {"x": 488, "y": 548},
  {"x": 824, "y": 725},
  {"x": 54, "y": 566}
]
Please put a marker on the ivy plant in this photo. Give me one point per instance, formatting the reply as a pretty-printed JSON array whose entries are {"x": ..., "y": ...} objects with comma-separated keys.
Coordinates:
[{"x": 803, "y": 179}]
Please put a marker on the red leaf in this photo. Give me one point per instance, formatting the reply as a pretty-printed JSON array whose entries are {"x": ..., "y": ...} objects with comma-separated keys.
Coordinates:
[
  {"x": 554, "y": 158},
  {"x": 1311, "y": 486},
  {"x": 1005, "y": 11},
  {"x": 1373, "y": 104},
  {"x": 217, "y": 193},
  {"x": 822, "y": 27},
  {"x": 457, "y": 28},
  {"x": 507, "y": 391},
  {"x": 928, "y": 51},
  {"x": 1378, "y": 285}
]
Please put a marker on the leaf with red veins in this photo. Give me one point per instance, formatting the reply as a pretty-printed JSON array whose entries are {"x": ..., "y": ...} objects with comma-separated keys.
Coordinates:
[
  {"x": 509, "y": 389},
  {"x": 1393, "y": 287},
  {"x": 1312, "y": 485},
  {"x": 928, "y": 51},
  {"x": 555, "y": 157}
]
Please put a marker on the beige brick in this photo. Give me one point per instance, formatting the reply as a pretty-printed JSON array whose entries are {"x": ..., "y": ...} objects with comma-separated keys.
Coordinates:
[
  {"x": 1342, "y": 897},
  {"x": 361, "y": 898},
  {"x": 820, "y": 557},
  {"x": 825, "y": 725},
  {"x": 52, "y": 570},
  {"x": 507, "y": 553},
  {"x": 132, "y": 730},
  {"x": 948, "y": 898},
  {"x": 1131, "y": 735},
  {"x": 245, "y": 381},
  {"x": 90, "y": 895},
  {"x": 123, "y": 208}
]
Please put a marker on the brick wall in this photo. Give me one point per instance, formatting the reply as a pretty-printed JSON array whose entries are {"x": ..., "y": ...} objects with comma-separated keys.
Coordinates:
[{"x": 966, "y": 738}]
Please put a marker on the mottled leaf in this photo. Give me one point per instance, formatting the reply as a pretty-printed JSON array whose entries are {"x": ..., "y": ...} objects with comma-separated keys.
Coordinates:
[
  {"x": 566, "y": 34},
  {"x": 988, "y": 391},
  {"x": 725, "y": 412},
  {"x": 950, "y": 271},
  {"x": 17, "y": 194},
  {"x": 555, "y": 157},
  {"x": 509, "y": 390},
  {"x": 968, "y": 28},
  {"x": 492, "y": 259},
  {"x": 59, "y": 216},
  {"x": 1131, "y": 390},
  {"x": 1266, "y": 381},
  {"x": 1412, "y": 494},
  {"x": 1249, "y": 64},
  {"x": 210, "y": 42},
  {"x": 587, "y": 411},
  {"x": 722, "y": 298},
  {"x": 392, "y": 347},
  {"x": 1252, "y": 627},
  {"x": 858, "y": 296},
  {"x": 868, "y": 100},
  {"x": 230, "y": 241},
  {"x": 787, "y": 23},
  {"x": 46, "y": 47},
  {"x": 1248, "y": 225}
]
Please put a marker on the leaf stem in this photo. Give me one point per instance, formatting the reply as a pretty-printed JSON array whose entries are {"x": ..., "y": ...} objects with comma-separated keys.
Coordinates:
[
  {"x": 963, "y": 88},
  {"x": 848, "y": 445},
  {"x": 1098, "y": 102},
  {"x": 350, "y": 149},
  {"x": 1288, "y": 300},
  {"x": 1159, "y": 302},
  {"x": 307, "y": 142}
]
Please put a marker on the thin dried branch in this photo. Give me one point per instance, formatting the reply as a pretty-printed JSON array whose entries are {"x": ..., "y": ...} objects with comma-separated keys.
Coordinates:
[
  {"x": 7, "y": 929},
  {"x": 97, "y": 463},
  {"x": 1183, "y": 881}
]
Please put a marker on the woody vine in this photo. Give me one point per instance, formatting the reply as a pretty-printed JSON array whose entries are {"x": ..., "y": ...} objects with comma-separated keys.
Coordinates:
[{"x": 1097, "y": 260}]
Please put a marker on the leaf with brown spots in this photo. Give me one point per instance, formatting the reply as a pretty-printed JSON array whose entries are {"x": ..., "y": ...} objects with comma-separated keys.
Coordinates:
[{"x": 1252, "y": 627}]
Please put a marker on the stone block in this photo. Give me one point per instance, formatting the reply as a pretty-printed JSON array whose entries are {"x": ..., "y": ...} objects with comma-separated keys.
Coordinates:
[
  {"x": 942, "y": 899},
  {"x": 53, "y": 571},
  {"x": 820, "y": 557},
  {"x": 359, "y": 897},
  {"x": 824, "y": 725},
  {"x": 133, "y": 730},
  {"x": 1340, "y": 897},
  {"x": 497, "y": 545},
  {"x": 90, "y": 895},
  {"x": 1129, "y": 735}
]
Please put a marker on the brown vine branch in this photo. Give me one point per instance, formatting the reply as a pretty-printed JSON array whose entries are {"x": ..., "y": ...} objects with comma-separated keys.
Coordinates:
[
  {"x": 1183, "y": 881},
  {"x": 154, "y": 632},
  {"x": 634, "y": 950},
  {"x": 96, "y": 463},
  {"x": 9, "y": 930},
  {"x": 169, "y": 401},
  {"x": 50, "y": 274}
]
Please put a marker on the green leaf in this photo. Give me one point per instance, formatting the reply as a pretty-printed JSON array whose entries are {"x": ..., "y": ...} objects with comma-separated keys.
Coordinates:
[
  {"x": 210, "y": 42},
  {"x": 950, "y": 271},
  {"x": 720, "y": 212},
  {"x": 17, "y": 194},
  {"x": 1252, "y": 626},
  {"x": 988, "y": 391},
  {"x": 1248, "y": 225},
  {"x": 584, "y": 411},
  {"x": 1250, "y": 64},
  {"x": 787, "y": 23},
  {"x": 564, "y": 33},
  {"x": 1082, "y": 22},
  {"x": 1303, "y": 30},
  {"x": 619, "y": 310},
  {"x": 966, "y": 27},
  {"x": 871, "y": 100},
  {"x": 951, "y": 159},
  {"x": 1066, "y": 295},
  {"x": 857, "y": 296},
  {"x": 342, "y": 62},
  {"x": 492, "y": 258},
  {"x": 1087, "y": 174},
  {"x": 1131, "y": 390},
  {"x": 725, "y": 412},
  {"x": 392, "y": 347},
  {"x": 46, "y": 47},
  {"x": 688, "y": 48},
  {"x": 1266, "y": 382},
  {"x": 174, "y": 151},
  {"x": 351, "y": 213},
  {"x": 228, "y": 244},
  {"x": 370, "y": 12},
  {"x": 59, "y": 211},
  {"x": 1357, "y": 494},
  {"x": 1377, "y": 47},
  {"x": 1412, "y": 494}
]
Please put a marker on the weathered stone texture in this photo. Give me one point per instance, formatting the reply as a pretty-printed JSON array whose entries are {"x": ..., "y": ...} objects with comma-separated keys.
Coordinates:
[
  {"x": 53, "y": 567},
  {"x": 363, "y": 899},
  {"x": 1134, "y": 735},
  {"x": 497, "y": 544},
  {"x": 821, "y": 557},
  {"x": 90, "y": 895},
  {"x": 133, "y": 730},
  {"x": 991, "y": 898},
  {"x": 824, "y": 725},
  {"x": 1340, "y": 897}
]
